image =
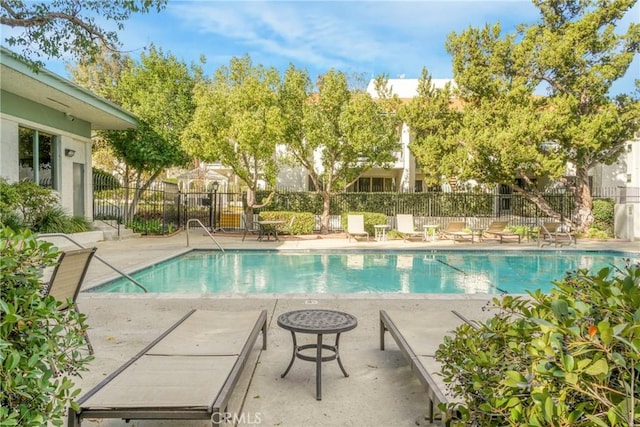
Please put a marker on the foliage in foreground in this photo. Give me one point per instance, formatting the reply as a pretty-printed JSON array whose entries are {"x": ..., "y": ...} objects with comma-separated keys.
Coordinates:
[
  {"x": 41, "y": 348},
  {"x": 571, "y": 357},
  {"x": 27, "y": 205}
]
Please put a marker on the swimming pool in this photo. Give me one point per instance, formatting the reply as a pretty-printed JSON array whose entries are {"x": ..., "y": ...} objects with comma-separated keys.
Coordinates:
[{"x": 347, "y": 272}]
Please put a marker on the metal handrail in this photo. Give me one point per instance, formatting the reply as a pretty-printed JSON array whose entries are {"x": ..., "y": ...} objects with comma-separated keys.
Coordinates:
[
  {"x": 205, "y": 229},
  {"x": 123, "y": 274}
]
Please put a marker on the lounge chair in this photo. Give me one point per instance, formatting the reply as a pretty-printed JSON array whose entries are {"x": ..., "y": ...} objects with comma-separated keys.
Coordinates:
[
  {"x": 498, "y": 230},
  {"x": 355, "y": 227},
  {"x": 552, "y": 233},
  {"x": 418, "y": 338},
  {"x": 253, "y": 229},
  {"x": 405, "y": 225},
  {"x": 453, "y": 231},
  {"x": 189, "y": 372},
  {"x": 67, "y": 278}
]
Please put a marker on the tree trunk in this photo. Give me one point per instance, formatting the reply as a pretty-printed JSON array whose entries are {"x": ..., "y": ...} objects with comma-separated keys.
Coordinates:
[
  {"x": 248, "y": 210},
  {"x": 326, "y": 209},
  {"x": 538, "y": 200},
  {"x": 583, "y": 214}
]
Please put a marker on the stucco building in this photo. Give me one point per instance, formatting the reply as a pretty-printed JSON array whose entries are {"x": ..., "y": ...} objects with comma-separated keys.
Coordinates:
[{"x": 46, "y": 124}]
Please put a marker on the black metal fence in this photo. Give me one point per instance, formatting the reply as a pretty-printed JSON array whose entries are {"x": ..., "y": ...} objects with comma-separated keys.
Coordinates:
[{"x": 162, "y": 208}]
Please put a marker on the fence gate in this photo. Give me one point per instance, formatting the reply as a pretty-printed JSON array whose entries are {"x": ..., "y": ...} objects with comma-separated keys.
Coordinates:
[{"x": 217, "y": 211}]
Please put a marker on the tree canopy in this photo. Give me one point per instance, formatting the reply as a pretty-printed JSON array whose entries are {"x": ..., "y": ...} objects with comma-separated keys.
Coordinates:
[
  {"x": 237, "y": 122},
  {"x": 59, "y": 27},
  {"x": 336, "y": 134},
  {"x": 506, "y": 131},
  {"x": 158, "y": 90}
]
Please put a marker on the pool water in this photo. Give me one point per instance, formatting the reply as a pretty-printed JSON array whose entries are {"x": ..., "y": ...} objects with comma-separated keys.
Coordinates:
[{"x": 419, "y": 272}]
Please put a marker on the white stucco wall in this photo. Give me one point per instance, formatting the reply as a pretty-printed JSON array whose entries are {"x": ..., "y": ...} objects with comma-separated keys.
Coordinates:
[
  {"x": 82, "y": 146},
  {"x": 8, "y": 150}
]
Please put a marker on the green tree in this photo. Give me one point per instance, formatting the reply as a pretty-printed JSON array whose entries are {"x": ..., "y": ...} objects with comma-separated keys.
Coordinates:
[
  {"x": 54, "y": 28},
  {"x": 159, "y": 91},
  {"x": 433, "y": 119},
  {"x": 576, "y": 51},
  {"x": 237, "y": 122},
  {"x": 338, "y": 134}
]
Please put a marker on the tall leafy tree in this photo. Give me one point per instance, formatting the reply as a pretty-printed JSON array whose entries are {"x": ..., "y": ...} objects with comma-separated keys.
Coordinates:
[
  {"x": 59, "y": 27},
  {"x": 433, "y": 118},
  {"x": 336, "y": 134},
  {"x": 159, "y": 91},
  {"x": 237, "y": 122},
  {"x": 576, "y": 51}
]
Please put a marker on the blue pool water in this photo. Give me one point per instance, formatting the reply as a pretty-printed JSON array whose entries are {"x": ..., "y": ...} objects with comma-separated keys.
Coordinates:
[{"x": 449, "y": 272}]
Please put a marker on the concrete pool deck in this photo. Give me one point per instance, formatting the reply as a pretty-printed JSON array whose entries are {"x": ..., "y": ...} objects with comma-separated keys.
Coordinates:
[{"x": 381, "y": 389}]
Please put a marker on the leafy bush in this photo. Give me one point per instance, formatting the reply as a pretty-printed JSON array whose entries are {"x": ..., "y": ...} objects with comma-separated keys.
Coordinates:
[
  {"x": 56, "y": 220},
  {"x": 571, "y": 357},
  {"x": 41, "y": 348},
  {"x": 34, "y": 201},
  {"x": 142, "y": 225},
  {"x": 27, "y": 205},
  {"x": 603, "y": 218},
  {"x": 103, "y": 180},
  {"x": 9, "y": 198},
  {"x": 304, "y": 222}
]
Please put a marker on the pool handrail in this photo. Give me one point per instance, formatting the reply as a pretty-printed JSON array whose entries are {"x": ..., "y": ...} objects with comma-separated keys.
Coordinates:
[
  {"x": 123, "y": 274},
  {"x": 186, "y": 229}
]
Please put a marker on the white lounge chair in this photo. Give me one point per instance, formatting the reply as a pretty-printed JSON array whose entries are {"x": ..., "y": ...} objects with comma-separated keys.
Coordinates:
[
  {"x": 405, "y": 225},
  {"x": 355, "y": 227}
]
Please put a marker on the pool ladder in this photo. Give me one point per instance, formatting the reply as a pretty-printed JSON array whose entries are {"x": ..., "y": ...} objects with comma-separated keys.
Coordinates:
[
  {"x": 204, "y": 228},
  {"x": 123, "y": 274}
]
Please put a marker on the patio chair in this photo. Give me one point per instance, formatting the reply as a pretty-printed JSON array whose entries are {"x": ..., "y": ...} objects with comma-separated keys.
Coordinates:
[
  {"x": 498, "y": 230},
  {"x": 405, "y": 225},
  {"x": 552, "y": 233},
  {"x": 418, "y": 338},
  {"x": 355, "y": 227},
  {"x": 288, "y": 229},
  {"x": 454, "y": 231},
  {"x": 253, "y": 229},
  {"x": 189, "y": 372},
  {"x": 67, "y": 278}
]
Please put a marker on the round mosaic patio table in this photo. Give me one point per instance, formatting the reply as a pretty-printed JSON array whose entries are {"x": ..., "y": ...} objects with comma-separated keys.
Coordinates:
[{"x": 318, "y": 322}]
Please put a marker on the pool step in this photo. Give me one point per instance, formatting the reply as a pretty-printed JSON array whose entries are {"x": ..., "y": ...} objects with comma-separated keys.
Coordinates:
[{"x": 109, "y": 229}]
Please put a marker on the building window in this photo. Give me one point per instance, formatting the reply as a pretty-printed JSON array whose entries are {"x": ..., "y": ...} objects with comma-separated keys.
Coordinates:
[
  {"x": 37, "y": 157},
  {"x": 372, "y": 185},
  {"x": 418, "y": 186}
]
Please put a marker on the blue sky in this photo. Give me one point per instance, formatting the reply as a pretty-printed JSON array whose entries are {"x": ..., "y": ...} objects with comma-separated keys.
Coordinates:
[{"x": 370, "y": 37}]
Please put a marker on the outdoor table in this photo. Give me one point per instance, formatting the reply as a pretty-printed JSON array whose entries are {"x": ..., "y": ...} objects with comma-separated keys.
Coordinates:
[
  {"x": 476, "y": 231},
  {"x": 318, "y": 322},
  {"x": 269, "y": 228},
  {"x": 430, "y": 231},
  {"x": 381, "y": 232}
]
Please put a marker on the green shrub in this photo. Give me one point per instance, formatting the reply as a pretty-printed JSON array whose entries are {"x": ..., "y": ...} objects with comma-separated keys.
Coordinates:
[
  {"x": 571, "y": 357},
  {"x": 103, "y": 180},
  {"x": 603, "y": 218},
  {"x": 41, "y": 348},
  {"x": 140, "y": 224},
  {"x": 34, "y": 201},
  {"x": 603, "y": 211},
  {"x": 9, "y": 198},
  {"x": 304, "y": 222},
  {"x": 56, "y": 220}
]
